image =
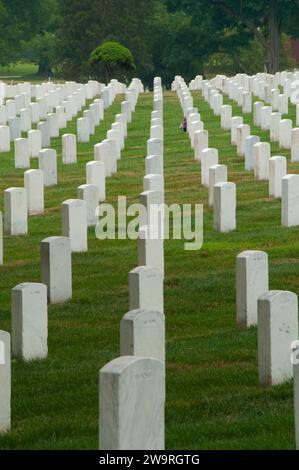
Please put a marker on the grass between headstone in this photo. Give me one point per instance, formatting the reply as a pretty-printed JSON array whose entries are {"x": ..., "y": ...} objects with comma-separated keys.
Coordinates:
[{"x": 213, "y": 397}]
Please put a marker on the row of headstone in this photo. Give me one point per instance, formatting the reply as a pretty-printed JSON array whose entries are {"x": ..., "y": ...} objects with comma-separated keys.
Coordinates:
[
  {"x": 132, "y": 387},
  {"x": 21, "y": 202},
  {"x": 151, "y": 232},
  {"x": 222, "y": 194},
  {"x": 276, "y": 315},
  {"x": 265, "y": 116},
  {"x": 66, "y": 107},
  {"x": 79, "y": 214},
  {"x": 29, "y": 300},
  {"x": 275, "y": 312},
  {"x": 258, "y": 157}
]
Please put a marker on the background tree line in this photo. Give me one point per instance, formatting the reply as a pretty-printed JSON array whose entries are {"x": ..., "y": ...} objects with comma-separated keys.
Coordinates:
[{"x": 166, "y": 37}]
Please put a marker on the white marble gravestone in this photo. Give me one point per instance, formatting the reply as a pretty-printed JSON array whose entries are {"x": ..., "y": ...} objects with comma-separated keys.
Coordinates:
[
  {"x": 34, "y": 184},
  {"x": 48, "y": 164},
  {"x": 15, "y": 211},
  {"x": 5, "y": 382},
  {"x": 95, "y": 175},
  {"x": 224, "y": 207},
  {"x": 251, "y": 282},
  {"x": 142, "y": 333},
  {"x": 56, "y": 268},
  {"x": 90, "y": 194},
  {"x": 209, "y": 157},
  {"x": 69, "y": 149},
  {"x": 277, "y": 170},
  {"x": 146, "y": 289},
  {"x": 29, "y": 313},
  {"x": 74, "y": 223},
  {"x": 132, "y": 402},
  {"x": 22, "y": 156},
  {"x": 277, "y": 329}
]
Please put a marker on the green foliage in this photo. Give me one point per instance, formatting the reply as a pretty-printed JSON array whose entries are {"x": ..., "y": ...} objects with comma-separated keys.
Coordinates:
[
  {"x": 262, "y": 21},
  {"x": 112, "y": 56},
  {"x": 41, "y": 51},
  {"x": 19, "y": 21},
  {"x": 165, "y": 37},
  {"x": 82, "y": 28}
]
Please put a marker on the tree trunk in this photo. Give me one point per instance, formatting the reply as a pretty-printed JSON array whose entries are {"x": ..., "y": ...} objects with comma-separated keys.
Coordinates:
[
  {"x": 274, "y": 39},
  {"x": 44, "y": 69}
]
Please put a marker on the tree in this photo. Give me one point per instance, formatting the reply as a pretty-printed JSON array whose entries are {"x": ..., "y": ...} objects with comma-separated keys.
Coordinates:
[
  {"x": 41, "y": 49},
  {"x": 265, "y": 20},
  {"x": 19, "y": 22},
  {"x": 82, "y": 26},
  {"x": 112, "y": 56}
]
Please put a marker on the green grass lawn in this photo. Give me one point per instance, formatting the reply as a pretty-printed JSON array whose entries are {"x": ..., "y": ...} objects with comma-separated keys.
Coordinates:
[
  {"x": 19, "y": 72},
  {"x": 213, "y": 397}
]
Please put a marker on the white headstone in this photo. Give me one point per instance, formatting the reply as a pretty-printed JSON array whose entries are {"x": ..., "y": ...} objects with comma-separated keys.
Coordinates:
[
  {"x": 251, "y": 282},
  {"x": 29, "y": 314},
  {"x": 285, "y": 133},
  {"x": 102, "y": 154},
  {"x": 154, "y": 165},
  {"x": 250, "y": 141},
  {"x": 22, "y": 157},
  {"x": 132, "y": 402},
  {"x": 153, "y": 182},
  {"x": 261, "y": 157},
  {"x": 243, "y": 132},
  {"x": 52, "y": 120},
  {"x": 150, "y": 249},
  {"x": 69, "y": 148},
  {"x": 226, "y": 117},
  {"x": 290, "y": 201},
  {"x": 155, "y": 147},
  {"x": 278, "y": 169},
  {"x": 15, "y": 211},
  {"x": 35, "y": 142},
  {"x": 83, "y": 130},
  {"x": 257, "y": 108},
  {"x": 236, "y": 122},
  {"x": 209, "y": 157},
  {"x": 275, "y": 119},
  {"x": 5, "y": 382},
  {"x": 5, "y": 139},
  {"x": 34, "y": 184},
  {"x": 56, "y": 268},
  {"x": 48, "y": 164},
  {"x": 15, "y": 132},
  {"x": 90, "y": 194},
  {"x": 142, "y": 333},
  {"x": 201, "y": 142},
  {"x": 95, "y": 175},
  {"x": 74, "y": 223},
  {"x": 266, "y": 112},
  {"x": 25, "y": 118},
  {"x": 296, "y": 390},
  {"x": 295, "y": 145},
  {"x": 217, "y": 174},
  {"x": 1, "y": 239},
  {"x": 224, "y": 207},
  {"x": 277, "y": 329},
  {"x": 44, "y": 128},
  {"x": 146, "y": 289}
]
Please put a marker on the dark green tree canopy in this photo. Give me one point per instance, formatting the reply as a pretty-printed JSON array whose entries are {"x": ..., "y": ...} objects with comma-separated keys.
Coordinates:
[
  {"x": 264, "y": 20},
  {"x": 165, "y": 37},
  {"x": 112, "y": 56}
]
